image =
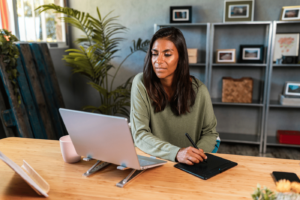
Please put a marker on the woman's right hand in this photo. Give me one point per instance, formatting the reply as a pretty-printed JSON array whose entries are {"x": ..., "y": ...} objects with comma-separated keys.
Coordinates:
[{"x": 190, "y": 155}]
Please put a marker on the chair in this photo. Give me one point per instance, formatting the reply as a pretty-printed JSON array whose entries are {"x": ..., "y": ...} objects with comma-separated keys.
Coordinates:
[{"x": 217, "y": 145}]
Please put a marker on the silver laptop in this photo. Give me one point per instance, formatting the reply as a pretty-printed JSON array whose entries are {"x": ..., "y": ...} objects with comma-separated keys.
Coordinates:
[{"x": 106, "y": 138}]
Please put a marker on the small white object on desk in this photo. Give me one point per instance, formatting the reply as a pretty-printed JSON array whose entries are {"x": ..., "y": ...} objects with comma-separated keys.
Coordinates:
[
  {"x": 67, "y": 150},
  {"x": 29, "y": 175}
]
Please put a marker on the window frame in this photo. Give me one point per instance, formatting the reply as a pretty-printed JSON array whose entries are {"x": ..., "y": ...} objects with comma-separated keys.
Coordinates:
[{"x": 51, "y": 45}]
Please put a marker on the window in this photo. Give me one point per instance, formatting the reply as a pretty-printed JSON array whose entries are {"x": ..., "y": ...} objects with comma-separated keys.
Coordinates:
[{"x": 30, "y": 26}]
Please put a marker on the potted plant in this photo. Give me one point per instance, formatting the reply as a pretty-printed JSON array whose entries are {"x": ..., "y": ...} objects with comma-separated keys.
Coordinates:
[
  {"x": 9, "y": 54},
  {"x": 93, "y": 58}
]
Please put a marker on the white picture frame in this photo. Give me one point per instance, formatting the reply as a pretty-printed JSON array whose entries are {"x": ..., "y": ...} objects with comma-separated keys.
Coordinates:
[
  {"x": 251, "y": 50},
  {"x": 223, "y": 53},
  {"x": 185, "y": 11},
  {"x": 239, "y": 9},
  {"x": 286, "y": 44},
  {"x": 292, "y": 89},
  {"x": 290, "y": 13}
]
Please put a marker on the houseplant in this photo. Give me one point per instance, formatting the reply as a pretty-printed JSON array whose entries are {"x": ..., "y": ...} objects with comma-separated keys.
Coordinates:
[
  {"x": 10, "y": 53},
  {"x": 97, "y": 48}
]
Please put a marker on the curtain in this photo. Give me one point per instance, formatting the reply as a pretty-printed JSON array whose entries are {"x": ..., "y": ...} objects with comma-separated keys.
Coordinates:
[{"x": 4, "y": 15}]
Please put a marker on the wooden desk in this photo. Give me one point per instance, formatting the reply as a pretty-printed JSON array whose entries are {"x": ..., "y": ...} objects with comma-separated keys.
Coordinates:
[{"x": 165, "y": 182}]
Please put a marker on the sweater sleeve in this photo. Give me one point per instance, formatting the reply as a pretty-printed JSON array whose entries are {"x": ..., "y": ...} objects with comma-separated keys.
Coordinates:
[
  {"x": 208, "y": 133},
  {"x": 140, "y": 120}
]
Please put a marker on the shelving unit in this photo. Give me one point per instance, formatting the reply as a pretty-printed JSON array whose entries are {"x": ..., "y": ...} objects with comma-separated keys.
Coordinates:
[
  {"x": 196, "y": 36},
  {"x": 240, "y": 122},
  {"x": 246, "y": 123},
  {"x": 280, "y": 117}
]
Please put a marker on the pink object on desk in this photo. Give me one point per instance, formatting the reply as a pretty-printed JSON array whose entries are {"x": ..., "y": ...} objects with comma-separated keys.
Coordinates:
[{"x": 67, "y": 150}]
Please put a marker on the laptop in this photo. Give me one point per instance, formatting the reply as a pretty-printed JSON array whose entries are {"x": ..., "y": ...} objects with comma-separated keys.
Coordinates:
[{"x": 106, "y": 138}]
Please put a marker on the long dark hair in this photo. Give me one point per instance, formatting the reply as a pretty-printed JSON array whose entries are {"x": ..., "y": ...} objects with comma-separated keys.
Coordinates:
[{"x": 184, "y": 93}]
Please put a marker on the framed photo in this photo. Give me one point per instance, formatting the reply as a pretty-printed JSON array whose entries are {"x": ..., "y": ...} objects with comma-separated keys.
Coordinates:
[
  {"x": 286, "y": 44},
  {"x": 292, "y": 89},
  {"x": 225, "y": 56},
  {"x": 238, "y": 10},
  {"x": 251, "y": 54},
  {"x": 180, "y": 14},
  {"x": 290, "y": 13}
]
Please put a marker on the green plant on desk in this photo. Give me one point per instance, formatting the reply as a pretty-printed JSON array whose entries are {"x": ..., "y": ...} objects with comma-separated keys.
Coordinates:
[
  {"x": 94, "y": 59},
  {"x": 263, "y": 194}
]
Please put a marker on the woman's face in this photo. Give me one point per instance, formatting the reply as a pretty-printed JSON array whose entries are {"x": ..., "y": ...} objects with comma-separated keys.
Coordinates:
[{"x": 164, "y": 58}]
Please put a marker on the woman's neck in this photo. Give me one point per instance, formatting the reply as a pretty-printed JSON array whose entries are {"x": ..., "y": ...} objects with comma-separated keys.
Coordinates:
[{"x": 167, "y": 85}]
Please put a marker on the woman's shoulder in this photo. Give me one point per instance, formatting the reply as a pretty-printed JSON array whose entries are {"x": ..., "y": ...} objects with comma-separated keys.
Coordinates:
[
  {"x": 138, "y": 81},
  {"x": 197, "y": 83}
]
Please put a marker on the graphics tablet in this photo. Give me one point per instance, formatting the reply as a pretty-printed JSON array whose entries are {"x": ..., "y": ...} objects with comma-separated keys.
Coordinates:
[{"x": 205, "y": 170}]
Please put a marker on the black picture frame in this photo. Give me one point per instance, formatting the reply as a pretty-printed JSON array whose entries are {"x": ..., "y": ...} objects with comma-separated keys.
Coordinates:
[
  {"x": 251, "y": 54},
  {"x": 184, "y": 14}
]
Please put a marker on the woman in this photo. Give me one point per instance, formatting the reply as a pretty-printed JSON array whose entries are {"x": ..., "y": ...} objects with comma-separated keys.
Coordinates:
[{"x": 166, "y": 103}]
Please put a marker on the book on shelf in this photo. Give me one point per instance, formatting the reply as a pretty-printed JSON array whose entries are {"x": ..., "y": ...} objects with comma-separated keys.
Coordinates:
[{"x": 288, "y": 100}]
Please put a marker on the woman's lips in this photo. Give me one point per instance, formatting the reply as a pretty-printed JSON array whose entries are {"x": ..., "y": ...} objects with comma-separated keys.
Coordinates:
[{"x": 160, "y": 69}]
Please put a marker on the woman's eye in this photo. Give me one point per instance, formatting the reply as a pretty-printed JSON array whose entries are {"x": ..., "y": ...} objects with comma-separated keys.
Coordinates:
[
  {"x": 154, "y": 54},
  {"x": 168, "y": 55}
]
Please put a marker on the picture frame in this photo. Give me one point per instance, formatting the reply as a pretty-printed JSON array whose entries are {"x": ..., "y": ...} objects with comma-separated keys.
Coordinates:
[
  {"x": 292, "y": 88},
  {"x": 238, "y": 11},
  {"x": 226, "y": 56},
  {"x": 180, "y": 14},
  {"x": 251, "y": 54},
  {"x": 286, "y": 44},
  {"x": 290, "y": 13}
]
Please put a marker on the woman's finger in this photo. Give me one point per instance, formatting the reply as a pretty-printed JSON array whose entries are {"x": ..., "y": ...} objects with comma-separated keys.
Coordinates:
[
  {"x": 199, "y": 152},
  {"x": 192, "y": 158},
  {"x": 188, "y": 162}
]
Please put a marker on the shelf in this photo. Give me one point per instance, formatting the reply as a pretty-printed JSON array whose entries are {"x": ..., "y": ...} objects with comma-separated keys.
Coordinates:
[
  {"x": 243, "y": 23},
  {"x": 276, "y": 104},
  {"x": 239, "y": 65},
  {"x": 183, "y": 24},
  {"x": 272, "y": 141},
  {"x": 218, "y": 101},
  {"x": 197, "y": 64},
  {"x": 239, "y": 138},
  {"x": 286, "y": 65}
]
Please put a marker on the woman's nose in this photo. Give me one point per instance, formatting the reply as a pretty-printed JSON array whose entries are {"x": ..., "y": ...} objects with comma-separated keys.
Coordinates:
[{"x": 160, "y": 58}]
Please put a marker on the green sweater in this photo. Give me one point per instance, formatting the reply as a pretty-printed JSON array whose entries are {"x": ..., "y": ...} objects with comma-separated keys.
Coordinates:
[{"x": 162, "y": 134}]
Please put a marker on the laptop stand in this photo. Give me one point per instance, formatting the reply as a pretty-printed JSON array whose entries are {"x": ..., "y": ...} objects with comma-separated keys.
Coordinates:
[
  {"x": 100, "y": 165},
  {"x": 133, "y": 174},
  {"x": 96, "y": 167}
]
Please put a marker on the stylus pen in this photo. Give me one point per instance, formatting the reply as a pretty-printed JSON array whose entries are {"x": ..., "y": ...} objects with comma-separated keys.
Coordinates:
[{"x": 193, "y": 143}]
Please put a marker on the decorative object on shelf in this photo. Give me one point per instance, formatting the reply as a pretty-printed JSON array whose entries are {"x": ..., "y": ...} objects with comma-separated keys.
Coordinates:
[
  {"x": 288, "y": 137},
  {"x": 292, "y": 89},
  {"x": 180, "y": 14},
  {"x": 238, "y": 10},
  {"x": 193, "y": 55},
  {"x": 279, "y": 61},
  {"x": 288, "y": 100},
  {"x": 237, "y": 90},
  {"x": 251, "y": 54},
  {"x": 225, "y": 56},
  {"x": 286, "y": 44},
  {"x": 289, "y": 59},
  {"x": 290, "y": 13}
]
